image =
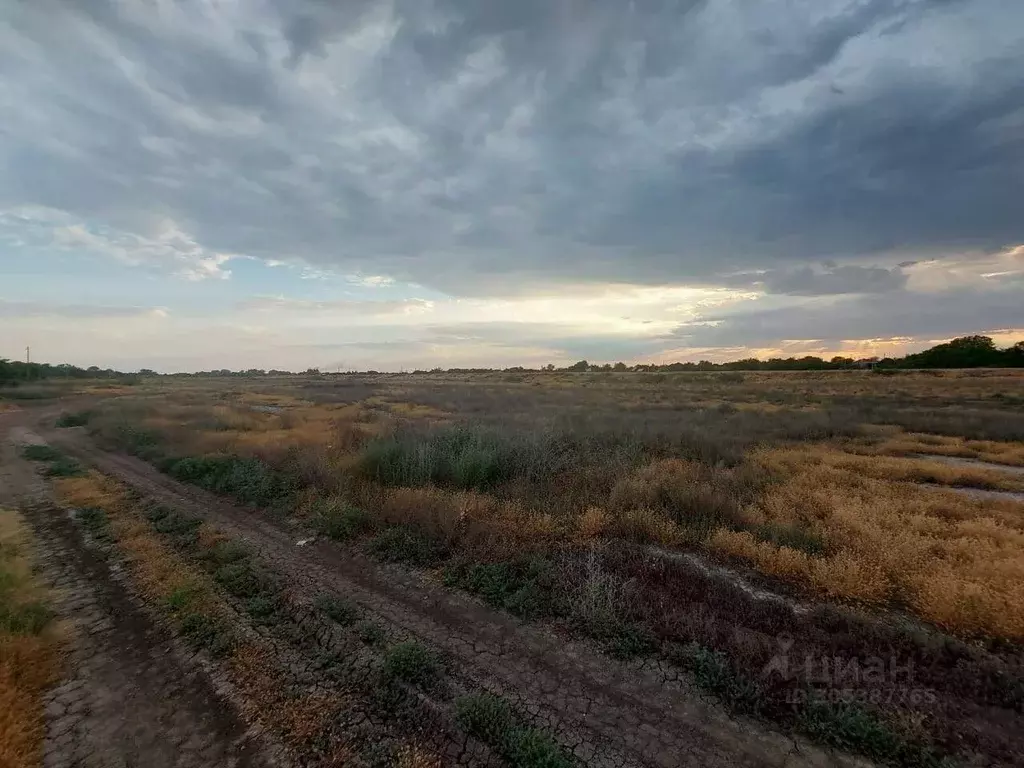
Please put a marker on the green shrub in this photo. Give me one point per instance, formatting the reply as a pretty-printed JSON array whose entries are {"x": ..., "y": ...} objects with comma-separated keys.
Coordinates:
[
  {"x": 487, "y": 717},
  {"x": 79, "y": 419},
  {"x": 181, "y": 598},
  {"x": 248, "y": 480},
  {"x": 202, "y": 631},
  {"x": 64, "y": 467},
  {"x": 411, "y": 662},
  {"x": 176, "y": 523},
  {"x": 41, "y": 453},
  {"x": 341, "y": 521},
  {"x": 404, "y": 544},
  {"x": 523, "y": 587},
  {"x": 490, "y": 719},
  {"x": 336, "y": 609},
  {"x": 533, "y": 748},
  {"x": 631, "y": 640},
  {"x": 24, "y": 618},
  {"x": 95, "y": 521},
  {"x": 369, "y": 633},
  {"x": 712, "y": 672},
  {"x": 227, "y": 552},
  {"x": 133, "y": 439},
  {"x": 242, "y": 580},
  {"x": 263, "y": 608},
  {"x": 850, "y": 726}
]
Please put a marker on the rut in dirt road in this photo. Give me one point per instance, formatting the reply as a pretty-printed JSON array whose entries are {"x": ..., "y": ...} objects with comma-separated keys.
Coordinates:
[
  {"x": 127, "y": 697},
  {"x": 606, "y": 712}
]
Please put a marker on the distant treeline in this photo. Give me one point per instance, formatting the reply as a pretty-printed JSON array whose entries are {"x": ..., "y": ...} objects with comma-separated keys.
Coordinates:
[
  {"x": 13, "y": 372},
  {"x": 964, "y": 352}
]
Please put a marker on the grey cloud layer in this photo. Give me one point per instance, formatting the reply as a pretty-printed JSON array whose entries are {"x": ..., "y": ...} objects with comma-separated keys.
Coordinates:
[{"x": 480, "y": 147}]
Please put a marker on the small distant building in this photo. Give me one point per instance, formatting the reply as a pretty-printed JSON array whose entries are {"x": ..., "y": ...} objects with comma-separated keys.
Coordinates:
[{"x": 867, "y": 363}]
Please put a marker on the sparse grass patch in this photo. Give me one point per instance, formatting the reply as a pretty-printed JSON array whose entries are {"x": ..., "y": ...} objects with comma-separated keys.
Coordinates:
[
  {"x": 369, "y": 633},
  {"x": 337, "y": 609},
  {"x": 411, "y": 662},
  {"x": 65, "y": 466},
  {"x": 204, "y": 631},
  {"x": 524, "y": 587},
  {"x": 490, "y": 719},
  {"x": 78, "y": 419},
  {"x": 29, "y": 648},
  {"x": 405, "y": 544},
  {"x": 247, "y": 479},
  {"x": 94, "y": 520},
  {"x": 340, "y": 520},
  {"x": 41, "y": 453},
  {"x": 851, "y": 726}
]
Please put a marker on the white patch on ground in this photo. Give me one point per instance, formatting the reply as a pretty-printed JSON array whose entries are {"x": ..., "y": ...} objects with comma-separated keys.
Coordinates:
[
  {"x": 975, "y": 493},
  {"x": 958, "y": 461},
  {"x": 21, "y": 436}
]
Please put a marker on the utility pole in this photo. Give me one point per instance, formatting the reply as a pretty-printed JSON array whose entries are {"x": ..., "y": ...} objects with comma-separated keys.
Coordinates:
[{"x": 28, "y": 355}]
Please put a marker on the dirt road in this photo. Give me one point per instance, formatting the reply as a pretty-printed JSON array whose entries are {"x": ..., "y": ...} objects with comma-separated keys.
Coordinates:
[
  {"x": 129, "y": 696},
  {"x": 606, "y": 712}
]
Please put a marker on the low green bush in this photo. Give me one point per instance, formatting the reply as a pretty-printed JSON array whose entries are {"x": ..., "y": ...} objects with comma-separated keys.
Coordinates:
[
  {"x": 337, "y": 609},
  {"x": 79, "y": 419},
  {"x": 411, "y": 662},
  {"x": 404, "y": 544},
  {"x": 341, "y": 521},
  {"x": 41, "y": 453},
  {"x": 243, "y": 580},
  {"x": 248, "y": 480},
  {"x": 24, "y": 618},
  {"x": 490, "y": 719},
  {"x": 369, "y": 633},
  {"x": 202, "y": 631},
  {"x": 64, "y": 467},
  {"x": 524, "y": 587}
]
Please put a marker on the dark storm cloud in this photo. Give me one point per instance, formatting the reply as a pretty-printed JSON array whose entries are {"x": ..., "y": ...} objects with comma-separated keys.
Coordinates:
[
  {"x": 829, "y": 279},
  {"x": 487, "y": 147}
]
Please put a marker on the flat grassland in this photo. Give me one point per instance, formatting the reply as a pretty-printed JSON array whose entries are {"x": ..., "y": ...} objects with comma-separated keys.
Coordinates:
[{"x": 706, "y": 518}]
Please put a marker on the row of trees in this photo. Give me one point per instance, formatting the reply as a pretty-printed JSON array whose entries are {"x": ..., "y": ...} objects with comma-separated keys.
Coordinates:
[
  {"x": 963, "y": 352},
  {"x": 17, "y": 372}
]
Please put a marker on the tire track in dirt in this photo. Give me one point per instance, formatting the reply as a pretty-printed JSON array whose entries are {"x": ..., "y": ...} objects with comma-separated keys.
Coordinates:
[
  {"x": 607, "y": 712},
  {"x": 127, "y": 698}
]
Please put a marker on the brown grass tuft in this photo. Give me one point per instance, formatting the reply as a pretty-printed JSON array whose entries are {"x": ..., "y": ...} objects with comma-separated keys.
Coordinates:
[{"x": 29, "y": 663}]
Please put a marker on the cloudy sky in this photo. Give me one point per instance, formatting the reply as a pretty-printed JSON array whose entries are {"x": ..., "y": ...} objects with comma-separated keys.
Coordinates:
[{"x": 194, "y": 184}]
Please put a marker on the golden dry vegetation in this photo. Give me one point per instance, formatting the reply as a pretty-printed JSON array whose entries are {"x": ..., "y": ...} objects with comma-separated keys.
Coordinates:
[
  {"x": 813, "y": 478},
  {"x": 30, "y": 648}
]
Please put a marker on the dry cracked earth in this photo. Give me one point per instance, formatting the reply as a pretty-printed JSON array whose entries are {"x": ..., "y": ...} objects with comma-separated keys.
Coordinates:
[{"x": 133, "y": 695}]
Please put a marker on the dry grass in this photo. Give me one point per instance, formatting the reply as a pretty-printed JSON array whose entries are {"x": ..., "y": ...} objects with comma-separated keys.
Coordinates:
[
  {"x": 956, "y": 561},
  {"x": 29, "y": 663},
  {"x": 899, "y": 443},
  {"x": 920, "y": 470},
  {"x": 157, "y": 569},
  {"x": 948, "y": 558}
]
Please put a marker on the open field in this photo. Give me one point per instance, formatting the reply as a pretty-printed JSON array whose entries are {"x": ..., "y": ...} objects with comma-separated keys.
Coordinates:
[{"x": 837, "y": 555}]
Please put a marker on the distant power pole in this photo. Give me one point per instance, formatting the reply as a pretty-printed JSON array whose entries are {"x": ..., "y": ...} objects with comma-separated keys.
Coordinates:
[{"x": 28, "y": 355}]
